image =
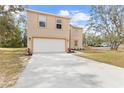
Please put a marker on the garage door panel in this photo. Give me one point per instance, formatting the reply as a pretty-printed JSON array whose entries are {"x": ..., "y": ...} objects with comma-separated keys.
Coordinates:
[{"x": 48, "y": 45}]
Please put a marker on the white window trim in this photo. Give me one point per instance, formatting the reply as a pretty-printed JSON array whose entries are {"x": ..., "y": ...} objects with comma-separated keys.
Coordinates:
[
  {"x": 59, "y": 23},
  {"x": 45, "y": 21}
]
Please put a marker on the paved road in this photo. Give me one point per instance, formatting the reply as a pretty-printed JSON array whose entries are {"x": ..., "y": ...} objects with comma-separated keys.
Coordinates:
[{"x": 61, "y": 70}]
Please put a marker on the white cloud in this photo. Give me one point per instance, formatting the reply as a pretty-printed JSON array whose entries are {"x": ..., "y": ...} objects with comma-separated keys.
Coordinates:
[
  {"x": 64, "y": 13},
  {"x": 78, "y": 18}
]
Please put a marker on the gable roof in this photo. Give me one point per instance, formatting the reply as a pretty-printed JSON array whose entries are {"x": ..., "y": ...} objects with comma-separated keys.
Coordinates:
[
  {"x": 41, "y": 12},
  {"x": 76, "y": 27}
]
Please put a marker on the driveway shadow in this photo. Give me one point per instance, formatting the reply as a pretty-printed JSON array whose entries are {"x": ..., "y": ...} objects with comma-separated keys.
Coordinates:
[{"x": 78, "y": 81}]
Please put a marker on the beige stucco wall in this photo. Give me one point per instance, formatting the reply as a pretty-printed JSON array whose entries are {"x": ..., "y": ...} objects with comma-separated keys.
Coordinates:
[
  {"x": 76, "y": 34},
  {"x": 50, "y": 31}
]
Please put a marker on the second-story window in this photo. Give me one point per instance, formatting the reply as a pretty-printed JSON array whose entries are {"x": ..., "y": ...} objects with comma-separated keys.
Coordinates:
[
  {"x": 42, "y": 21},
  {"x": 59, "y": 24}
]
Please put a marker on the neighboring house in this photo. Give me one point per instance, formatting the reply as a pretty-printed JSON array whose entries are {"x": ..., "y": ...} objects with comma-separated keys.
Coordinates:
[{"x": 51, "y": 33}]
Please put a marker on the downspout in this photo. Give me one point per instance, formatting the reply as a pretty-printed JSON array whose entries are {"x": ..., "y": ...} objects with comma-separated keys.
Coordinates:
[{"x": 70, "y": 40}]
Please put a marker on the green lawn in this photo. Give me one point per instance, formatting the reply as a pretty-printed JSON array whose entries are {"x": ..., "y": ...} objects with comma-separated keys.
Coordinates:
[
  {"x": 105, "y": 55},
  {"x": 12, "y": 63}
]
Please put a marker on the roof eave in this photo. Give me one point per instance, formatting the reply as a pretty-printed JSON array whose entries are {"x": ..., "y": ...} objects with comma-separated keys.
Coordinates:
[{"x": 36, "y": 11}]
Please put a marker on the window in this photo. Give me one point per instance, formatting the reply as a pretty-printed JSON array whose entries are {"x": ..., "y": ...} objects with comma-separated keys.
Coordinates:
[
  {"x": 75, "y": 43},
  {"x": 42, "y": 21},
  {"x": 59, "y": 24}
]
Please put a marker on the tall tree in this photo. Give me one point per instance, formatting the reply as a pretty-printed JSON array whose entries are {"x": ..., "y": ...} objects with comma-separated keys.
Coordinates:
[
  {"x": 109, "y": 21},
  {"x": 10, "y": 21}
]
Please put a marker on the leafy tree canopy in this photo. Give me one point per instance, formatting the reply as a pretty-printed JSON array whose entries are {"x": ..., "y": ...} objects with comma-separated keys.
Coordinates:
[{"x": 109, "y": 21}]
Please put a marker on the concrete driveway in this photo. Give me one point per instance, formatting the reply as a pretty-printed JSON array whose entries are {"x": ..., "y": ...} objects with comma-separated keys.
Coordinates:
[{"x": 62, "y": 70}]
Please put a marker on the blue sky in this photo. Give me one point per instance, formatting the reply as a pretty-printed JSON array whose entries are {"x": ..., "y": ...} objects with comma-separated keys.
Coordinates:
[{"x": 79, "y": 13}]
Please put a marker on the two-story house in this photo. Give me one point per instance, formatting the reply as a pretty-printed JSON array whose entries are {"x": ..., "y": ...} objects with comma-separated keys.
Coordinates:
[{"x": 48, "y": 32}]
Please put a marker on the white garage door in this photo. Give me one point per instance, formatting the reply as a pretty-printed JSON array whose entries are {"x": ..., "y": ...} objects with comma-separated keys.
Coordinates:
[{"x": 48, "y": 45}]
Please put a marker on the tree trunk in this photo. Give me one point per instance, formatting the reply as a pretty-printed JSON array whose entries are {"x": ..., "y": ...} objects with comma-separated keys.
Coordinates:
[{"x": 115, "y": 46}]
